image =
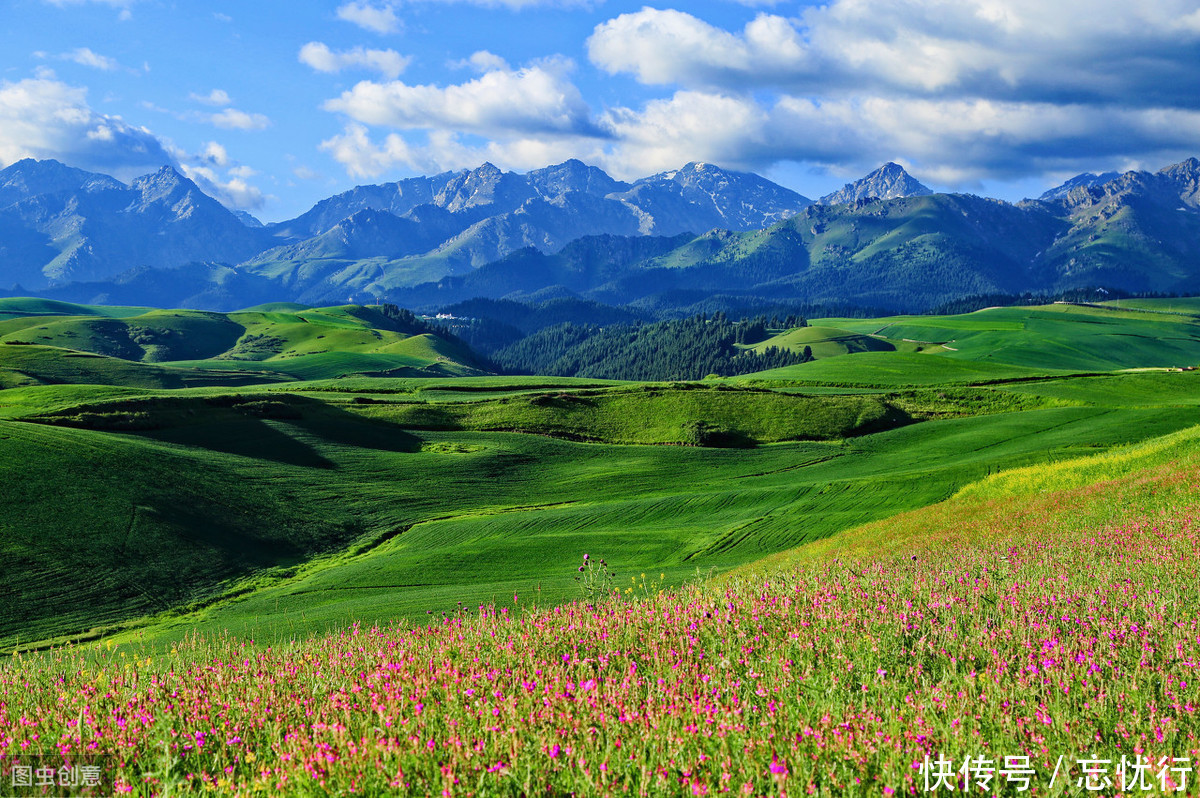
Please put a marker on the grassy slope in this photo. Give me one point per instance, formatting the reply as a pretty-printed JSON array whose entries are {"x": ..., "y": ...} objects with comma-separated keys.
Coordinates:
[
  {"x": 46, "y": 365},
  {"x": 826, "y": 342},
  {"x": 292, "y": 341},
  {"x": 692, "y": 415},
  {"x": 1002, "y": 343},
  {"x": 406, "y": 521},
  {"x": 1091, "y": 491},
  {"x": 1029, "y": 616},
  {"x": 1051, "y": 336},
  {"x": 484, "y": 515}
]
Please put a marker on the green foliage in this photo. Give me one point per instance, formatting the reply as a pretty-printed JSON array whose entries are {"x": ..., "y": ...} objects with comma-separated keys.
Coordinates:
[
  {"x": 686, "y": 349},
  {"x": 596, "y": 580}
]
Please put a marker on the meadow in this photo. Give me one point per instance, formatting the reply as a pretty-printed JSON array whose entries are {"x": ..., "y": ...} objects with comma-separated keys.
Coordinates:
[
  {"x": 220, "y": 577},
  {"x": 1048, "y": 644}
]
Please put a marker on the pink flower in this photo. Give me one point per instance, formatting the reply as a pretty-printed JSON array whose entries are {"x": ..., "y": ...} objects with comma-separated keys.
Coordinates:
[{"x": 554, "y": 752}]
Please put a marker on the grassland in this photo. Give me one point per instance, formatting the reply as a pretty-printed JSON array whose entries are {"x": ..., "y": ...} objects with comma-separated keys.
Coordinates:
[
  {"x": 268, "y": 344},
  {"x": 1044, "y": 630},
  {"x": 826, "y": 579},
  {"x": 288, "y": 508},
  {"x": 1039, "y": 340}
]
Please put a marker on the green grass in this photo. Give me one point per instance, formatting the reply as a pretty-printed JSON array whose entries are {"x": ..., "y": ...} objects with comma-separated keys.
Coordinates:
[
  {"x": 825, "y": 342},
  {"x": 1053, "y": 337},
  {"x": 884, "y": 369},
  {"x": 692, "y": 415},
  {"x": 13, "y": 307},
  {"x": 22, "y": 366},
  {"x": 273, "y": 342},
  {"x": 283, "y": 509}
]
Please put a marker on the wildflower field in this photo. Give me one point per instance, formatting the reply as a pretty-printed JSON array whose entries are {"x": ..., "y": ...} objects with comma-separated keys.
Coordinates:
[{"x": 1032, "y": 635}]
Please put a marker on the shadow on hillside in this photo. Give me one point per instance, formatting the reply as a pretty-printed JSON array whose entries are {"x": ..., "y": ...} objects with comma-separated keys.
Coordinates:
[{"x": 266, "y": 429}]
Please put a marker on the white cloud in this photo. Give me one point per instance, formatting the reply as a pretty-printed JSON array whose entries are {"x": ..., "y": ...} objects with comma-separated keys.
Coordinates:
[
  {"x": 962, "y": 90},
  {"x": 481, "y": 61},
  {"x": 46, "y": 118},
  {"x": 445, "y": 150},
  {"x": 354, "y": 150},
  {"x": 217, "y": 97},
  {"x": 233, "y": 189},
  {"x": 86, "y": 57},
  {"x": 215, "y": 154},
  {"x": 662, "y": 47},
  {"x": 536, "y": 99},
  {"x": 388, "y": 63},
  {"x": 1071, "y": 50},
  {"x": 233, "y": 193},
  {"x": 233, "y": 119},
  {"x": 689, "y": 126},
  {"x": 376, "y": 18},
  {"x": 952, "y": 142},
  {"x": 965, "y": 89}
]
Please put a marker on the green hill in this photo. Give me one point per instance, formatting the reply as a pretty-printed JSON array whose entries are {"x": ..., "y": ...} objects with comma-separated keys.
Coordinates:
[
  {"x": 27, "y": 365},
  {"x": 825, "y": 342},
  {"x": 277, "y": 341},
  {"x": 284, "y": 508}
]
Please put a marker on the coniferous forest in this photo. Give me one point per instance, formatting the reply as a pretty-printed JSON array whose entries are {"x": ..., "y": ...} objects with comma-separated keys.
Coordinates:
[{"x": 683, "y": 349}]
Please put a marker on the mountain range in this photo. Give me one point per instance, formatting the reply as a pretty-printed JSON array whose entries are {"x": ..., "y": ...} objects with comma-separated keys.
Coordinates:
[{"x": 669, "y": 242}]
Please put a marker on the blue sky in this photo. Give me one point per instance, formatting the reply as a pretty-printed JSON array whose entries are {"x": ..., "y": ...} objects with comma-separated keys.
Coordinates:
[{"x": 273, "y": 106}]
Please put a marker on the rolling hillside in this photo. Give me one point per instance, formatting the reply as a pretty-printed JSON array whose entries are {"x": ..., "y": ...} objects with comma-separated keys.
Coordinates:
[
  {"x": 276, "y": 342},
  {"x": 285, "y": 509}
]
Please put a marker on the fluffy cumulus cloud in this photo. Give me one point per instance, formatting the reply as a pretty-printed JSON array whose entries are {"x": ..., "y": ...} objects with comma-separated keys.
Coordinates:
[
  {"x": 954, "y": 142},
  {"x": 1101, "y": 51},
  {"x": 441, "y": 150},
  {"x": 320, "y": 57},
  {"x": 517, "y": 118},
  {"x": 46, "y": 118},
  {"x": 668, "y": 46},
  {"x": 503, "y": 102},
  {"x": 965, "y": 89}
]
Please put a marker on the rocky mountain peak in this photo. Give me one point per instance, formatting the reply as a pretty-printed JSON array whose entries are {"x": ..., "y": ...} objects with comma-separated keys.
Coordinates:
[
  {"x": 29, "y": 178},
  {"x": 485, "y": 186},
  {"x": 573, "y": 175},
  {"x": 168, "y": 188},
  {"x": 889, "y": 181},
  {"x": 1186, "y": 178}
]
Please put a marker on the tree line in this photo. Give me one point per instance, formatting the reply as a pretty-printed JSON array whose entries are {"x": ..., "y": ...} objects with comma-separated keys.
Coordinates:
[{"x": 683, "y": 349}]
